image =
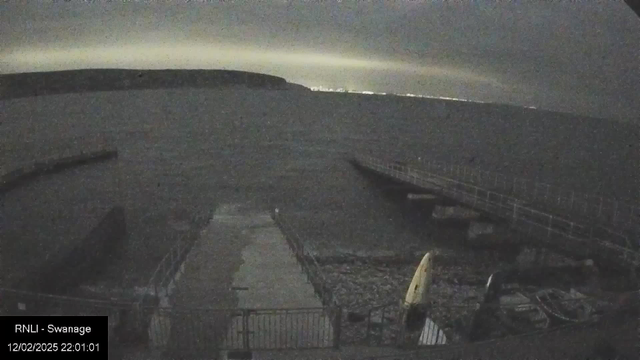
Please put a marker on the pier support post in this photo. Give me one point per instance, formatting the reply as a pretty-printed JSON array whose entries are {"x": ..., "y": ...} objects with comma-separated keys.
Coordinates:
[
  {"x": 422, "y": 197},
  {"x": 479, "y": 229}
]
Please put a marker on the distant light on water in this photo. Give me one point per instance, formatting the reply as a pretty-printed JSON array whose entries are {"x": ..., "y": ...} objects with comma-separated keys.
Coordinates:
[{"x": 367, "y": 92}]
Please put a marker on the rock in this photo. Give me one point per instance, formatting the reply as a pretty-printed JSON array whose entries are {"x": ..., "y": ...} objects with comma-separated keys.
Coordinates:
[{"x": 360, "y": 285}]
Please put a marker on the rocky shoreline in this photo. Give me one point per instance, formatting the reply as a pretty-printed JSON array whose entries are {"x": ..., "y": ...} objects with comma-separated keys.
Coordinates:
[
  {"x": 373, "y": 287},
  {"x": 377, "y": 284}
]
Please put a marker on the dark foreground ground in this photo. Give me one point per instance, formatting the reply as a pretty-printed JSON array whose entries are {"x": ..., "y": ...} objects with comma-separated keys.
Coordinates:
[{"x": 182, "y": 152}]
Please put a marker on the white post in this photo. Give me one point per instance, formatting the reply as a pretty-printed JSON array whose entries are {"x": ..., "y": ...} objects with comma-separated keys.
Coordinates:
[
  {"x": 571, "y": 204},
  {"x": 571, "y": 229},
  {"x": 546, "y": 194},
  {"x": 600, "y": 208},
  {"x": 586, "y": 205}
]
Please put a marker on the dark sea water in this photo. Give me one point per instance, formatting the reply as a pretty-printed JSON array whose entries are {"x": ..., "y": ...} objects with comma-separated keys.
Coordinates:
[{"x": 184, "y": 152}]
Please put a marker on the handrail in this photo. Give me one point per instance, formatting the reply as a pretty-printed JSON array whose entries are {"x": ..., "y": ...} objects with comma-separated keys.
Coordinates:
[
  {"x": 514, "y": 201},
  {"x": 597, "y": 208},
  {"x": 165, "y": 269},
  {"x": 313, "y": 269},
  {"x": 505, "y": 205}
]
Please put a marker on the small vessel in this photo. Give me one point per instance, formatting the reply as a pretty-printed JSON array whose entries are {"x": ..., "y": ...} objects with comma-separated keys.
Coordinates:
[
  {"x": 415, "y": 301},
  {"x": 520, "y": 300},
  {"x": 564, "y": 306},
  {"x": 520, "y": 314},
  {"x": 415, "y": 318}
]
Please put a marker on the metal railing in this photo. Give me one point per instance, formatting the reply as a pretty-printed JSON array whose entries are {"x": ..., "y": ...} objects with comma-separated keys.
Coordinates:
[
  {"x": 164, "y": 273},
  {"x": 194, "y": 331},
  {"x": 564, "y": 342},
  {"x": 160, "y": 281},
  {"x": 281, "y": 328},
  {"x": 314, "y": 273},
  {"x": 526, "y": 220},
  {"x": 609, "y": 212},
  {"x": 307, "y": 261},
  {"x": 376, "y": 326},
  {"x": 203, "y": 330},
  {"x": 381, "y": 330},
  {"x": 591, "y": 230}
]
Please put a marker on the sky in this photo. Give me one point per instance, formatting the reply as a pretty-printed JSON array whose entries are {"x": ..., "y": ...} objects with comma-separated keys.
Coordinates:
[{"x": 574, "y": 56}]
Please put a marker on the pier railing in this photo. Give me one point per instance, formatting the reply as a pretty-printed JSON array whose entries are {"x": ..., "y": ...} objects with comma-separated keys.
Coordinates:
[
  {"x": 556, "y": 230},
  {"x": 170, "y": 264},
  {"x": 312, "y": 269},
  {"x": 609, "y": 212},
  {"x": 307, "y": 261},
  {"x": 160, "y": 282}
]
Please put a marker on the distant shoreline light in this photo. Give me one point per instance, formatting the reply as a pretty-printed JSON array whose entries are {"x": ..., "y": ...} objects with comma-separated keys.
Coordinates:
[{"x": 366, "y": 92}]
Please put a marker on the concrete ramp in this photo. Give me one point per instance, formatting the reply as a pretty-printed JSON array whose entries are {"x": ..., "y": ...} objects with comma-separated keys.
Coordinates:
[
  {"x": 563, "y": 234},
  {"x": 276, "y": 306},
  {"x": 270, "y": 278}
]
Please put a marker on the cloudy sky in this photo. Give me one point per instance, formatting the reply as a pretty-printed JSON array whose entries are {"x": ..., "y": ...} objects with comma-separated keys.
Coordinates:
[{"x": 575, "y": 56}]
